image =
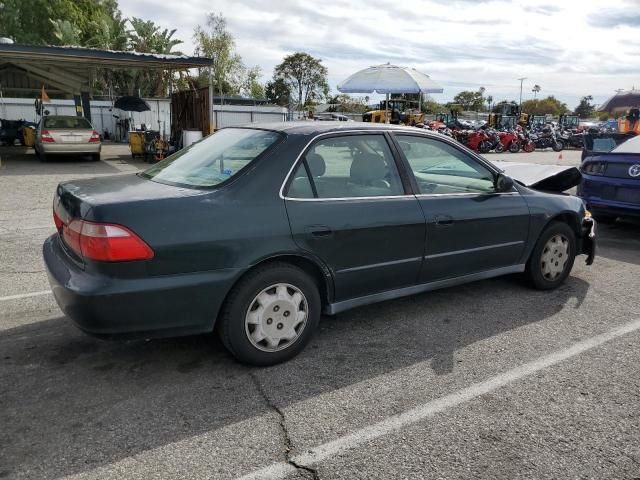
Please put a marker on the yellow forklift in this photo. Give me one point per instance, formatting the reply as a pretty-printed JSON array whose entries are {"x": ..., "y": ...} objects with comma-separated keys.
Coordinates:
[{"x": 400, "y": 111}]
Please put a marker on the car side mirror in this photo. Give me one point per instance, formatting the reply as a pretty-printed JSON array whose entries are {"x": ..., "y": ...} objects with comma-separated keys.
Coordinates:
[{"x": 503, "y": 183}]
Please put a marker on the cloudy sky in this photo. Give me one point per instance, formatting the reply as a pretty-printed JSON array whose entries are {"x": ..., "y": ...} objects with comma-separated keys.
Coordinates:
[{"x": 570, "y": 48}]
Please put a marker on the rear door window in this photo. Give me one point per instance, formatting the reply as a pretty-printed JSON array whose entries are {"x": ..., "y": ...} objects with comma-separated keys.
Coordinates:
[{"x": 347, "y": 167}]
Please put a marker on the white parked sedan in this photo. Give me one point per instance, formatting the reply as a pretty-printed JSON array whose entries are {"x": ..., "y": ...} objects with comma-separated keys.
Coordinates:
[{"x": 66, "y": 135}]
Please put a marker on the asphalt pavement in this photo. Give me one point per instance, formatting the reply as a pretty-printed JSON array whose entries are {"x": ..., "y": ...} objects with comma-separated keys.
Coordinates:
[{"x": 489, "y": 380}]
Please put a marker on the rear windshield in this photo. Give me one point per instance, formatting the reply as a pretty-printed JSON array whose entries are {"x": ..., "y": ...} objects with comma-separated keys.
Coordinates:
[
  {"x": 66, "y": 122},
  {"x": 214, "y": 159}
]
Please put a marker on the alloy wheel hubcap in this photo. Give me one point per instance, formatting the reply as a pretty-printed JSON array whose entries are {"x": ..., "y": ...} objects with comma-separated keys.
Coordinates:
[
  {"x": 554, "y": 258},
  {"x": 276, "y": 317}
]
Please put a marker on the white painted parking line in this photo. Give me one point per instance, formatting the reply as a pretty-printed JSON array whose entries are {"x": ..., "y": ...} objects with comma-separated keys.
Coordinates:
[
  {"x": 429, "y": 409},
  {"x": 25, "y": 295}
]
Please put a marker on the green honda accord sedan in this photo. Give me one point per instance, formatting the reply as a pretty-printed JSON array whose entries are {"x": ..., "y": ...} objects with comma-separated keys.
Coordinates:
[{"x": 254, "y": 232}]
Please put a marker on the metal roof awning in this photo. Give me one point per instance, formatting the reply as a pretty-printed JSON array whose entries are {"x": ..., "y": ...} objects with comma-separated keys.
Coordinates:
[
  {"x": 72, "y": 68},
  {"x": 79, "y": 57}
]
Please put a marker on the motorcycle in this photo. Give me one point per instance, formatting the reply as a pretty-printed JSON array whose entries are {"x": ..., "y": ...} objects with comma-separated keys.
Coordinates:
[
  {"x": 525, "y": 141},
  {"x": 547, "y": 139},
  {"x": 508, "y": 141}
]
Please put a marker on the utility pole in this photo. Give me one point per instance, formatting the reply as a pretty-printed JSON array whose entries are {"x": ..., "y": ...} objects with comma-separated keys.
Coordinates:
[{"x": 521, "y": 81}]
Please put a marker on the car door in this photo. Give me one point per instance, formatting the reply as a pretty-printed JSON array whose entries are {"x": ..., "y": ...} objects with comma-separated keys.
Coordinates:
[
  {"x": 348, "y": 206},
  {"x": 471, "y": 227}
]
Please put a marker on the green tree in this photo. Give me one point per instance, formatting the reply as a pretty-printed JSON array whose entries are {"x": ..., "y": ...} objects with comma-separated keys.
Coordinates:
[
  {"x": 585, "y": 109},
  {"x": 216, "y": 42},
  {"x": 546, "y": 106},
  {"x": 470, "y": 100},
  {"x": 431, "y": 106},
  {"x": 536, "y": 89},
  {"x": 251, "y": 86},
  {"x": 277, "y": 91},
  {"x": 305, "y": 76}
]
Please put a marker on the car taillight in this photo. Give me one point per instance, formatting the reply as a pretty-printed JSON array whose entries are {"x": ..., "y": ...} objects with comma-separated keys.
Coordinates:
[
  {"x": 46, "y": 136},
  {"x": 594, "y": 168},
  {"x": 103, "y": 242},
  {"x": 95, "y": 137}
]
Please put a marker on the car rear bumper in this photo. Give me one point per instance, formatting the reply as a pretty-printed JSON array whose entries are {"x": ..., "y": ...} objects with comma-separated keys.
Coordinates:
[
  {"x": 610, "y": 196},
  {"x": 70, "y": 148},
  {"x": 154, "y": 306}
]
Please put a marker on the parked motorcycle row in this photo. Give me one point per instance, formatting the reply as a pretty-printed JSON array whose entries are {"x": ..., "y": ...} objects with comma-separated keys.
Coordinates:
[{"x": 485, "y": 140}]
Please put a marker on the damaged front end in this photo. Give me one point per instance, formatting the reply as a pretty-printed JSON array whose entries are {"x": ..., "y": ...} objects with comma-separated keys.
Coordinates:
[
  {"x": 547, "y": 178},
  {"x": 555, "y": 179},
  {"x": 587, "y": 240}
]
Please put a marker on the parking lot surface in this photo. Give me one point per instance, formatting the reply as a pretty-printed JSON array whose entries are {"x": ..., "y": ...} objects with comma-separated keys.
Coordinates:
[{"x": 488, "y": 380}]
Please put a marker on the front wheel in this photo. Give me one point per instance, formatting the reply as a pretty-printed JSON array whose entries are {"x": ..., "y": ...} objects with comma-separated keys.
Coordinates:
[
  {"x": 529, "y": 147},
  {"x": 484, "y": 147},
  {"x": 552, "y": 258},
  {"x": 557, "y": 146},
  {"x": 499, "y": 148},
  {"x": 270, "y": 314},
  {"x": 514, "y": 147}
]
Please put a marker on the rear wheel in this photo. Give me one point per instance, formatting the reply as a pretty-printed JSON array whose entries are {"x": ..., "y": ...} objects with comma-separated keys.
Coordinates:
[
  {"x": 499, "y": 148},
  {"x": 552, "y": 258},
  {"x": 43, "y": 157},
  {"x": 270, "y": 314},
  {"x": 95, "y": 157},
  {"x": 514, "y": 147},
  {"x": 529, "y": 147}
]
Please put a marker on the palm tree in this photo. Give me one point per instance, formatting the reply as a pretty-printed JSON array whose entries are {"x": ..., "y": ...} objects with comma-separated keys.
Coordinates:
[
  {"x": 489, "y": 102},
  {"x": 536, "y": 88}
]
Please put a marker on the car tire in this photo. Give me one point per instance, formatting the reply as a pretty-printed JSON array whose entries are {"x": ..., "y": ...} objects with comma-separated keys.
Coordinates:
[
  {"x": 264, "y": 306},
  {"x": 43, "y": 157},
  {"x": 95, "y": 157},
  {"x": 552, "y": 258}
]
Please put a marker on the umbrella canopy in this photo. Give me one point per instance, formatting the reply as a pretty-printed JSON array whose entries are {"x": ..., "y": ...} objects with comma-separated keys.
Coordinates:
[
  {"x": 389, "y": 78},
  {"x": 621, "y": 101},
  {"x": 132, "y": 104}
]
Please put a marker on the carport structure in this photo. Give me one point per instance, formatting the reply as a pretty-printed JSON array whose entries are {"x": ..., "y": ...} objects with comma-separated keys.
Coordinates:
[{"x": 73, "y": 70}]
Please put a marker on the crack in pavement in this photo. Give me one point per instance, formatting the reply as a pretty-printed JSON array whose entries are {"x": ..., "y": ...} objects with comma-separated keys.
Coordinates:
[{"x": 288, "y": 445}]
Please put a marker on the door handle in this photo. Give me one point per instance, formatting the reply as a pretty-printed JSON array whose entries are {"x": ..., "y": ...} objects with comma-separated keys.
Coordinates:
[
  {"x": 443, "y": 220},
  {"x": 319, "y": 230}
]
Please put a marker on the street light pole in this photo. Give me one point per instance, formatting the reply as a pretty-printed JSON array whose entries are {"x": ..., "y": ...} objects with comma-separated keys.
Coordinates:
[{"x": 521, "y": 80}]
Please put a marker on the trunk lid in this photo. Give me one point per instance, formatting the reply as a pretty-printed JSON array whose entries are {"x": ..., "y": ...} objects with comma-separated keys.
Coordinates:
[
  {"x": 120, "y": 199},
  {"x": 70, "y": 135}
]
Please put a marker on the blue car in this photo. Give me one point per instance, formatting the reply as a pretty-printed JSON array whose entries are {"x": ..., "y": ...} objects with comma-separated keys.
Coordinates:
[{"x": 611, "y": 182}]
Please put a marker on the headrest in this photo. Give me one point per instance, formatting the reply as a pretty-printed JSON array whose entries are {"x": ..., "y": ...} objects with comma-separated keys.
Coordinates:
[
  {"x": 367, "y": 168},
  {"x": 316, "y": 164}
]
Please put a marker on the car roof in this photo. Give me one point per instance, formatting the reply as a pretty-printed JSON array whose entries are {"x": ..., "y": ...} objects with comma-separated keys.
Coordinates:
[{"x": 314, "y": 128}]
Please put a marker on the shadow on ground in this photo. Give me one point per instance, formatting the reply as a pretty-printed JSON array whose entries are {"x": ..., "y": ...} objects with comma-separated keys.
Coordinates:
[
  {"x": 70, "y": 403},
  {"x": 620, "y": 241}
]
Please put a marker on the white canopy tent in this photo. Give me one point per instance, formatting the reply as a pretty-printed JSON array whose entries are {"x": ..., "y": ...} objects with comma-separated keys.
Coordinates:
[{"x": 388, "y": 79}]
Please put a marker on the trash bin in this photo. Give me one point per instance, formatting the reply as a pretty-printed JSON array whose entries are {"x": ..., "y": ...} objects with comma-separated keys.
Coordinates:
[
  {"x": 29, "y": 136},
  {"x": 136, "y": 144}
]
